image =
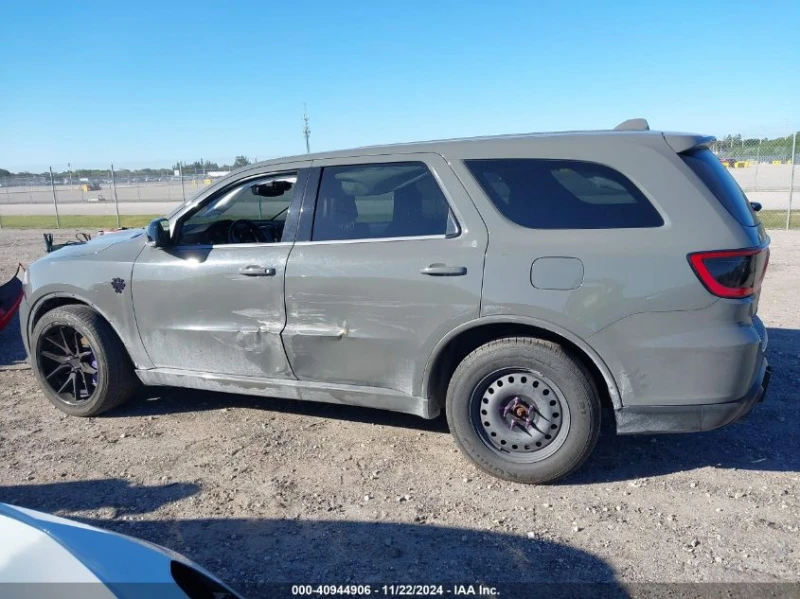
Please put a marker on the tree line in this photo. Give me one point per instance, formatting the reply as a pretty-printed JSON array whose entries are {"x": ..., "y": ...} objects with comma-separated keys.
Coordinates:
[
  {"x": 728, "y": 146},
  {"x": 198, "y": 167},
  {"x": 752, "y": 147}
]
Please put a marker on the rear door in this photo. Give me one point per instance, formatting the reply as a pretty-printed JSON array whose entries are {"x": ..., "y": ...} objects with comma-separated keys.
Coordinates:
[{"x": 391, "y": 260}]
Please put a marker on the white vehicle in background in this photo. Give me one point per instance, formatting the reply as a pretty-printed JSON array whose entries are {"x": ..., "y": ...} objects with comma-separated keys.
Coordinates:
[{"x": 46, "y": 556}]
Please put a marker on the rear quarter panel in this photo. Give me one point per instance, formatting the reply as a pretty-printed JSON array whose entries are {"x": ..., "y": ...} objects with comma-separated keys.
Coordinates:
[{"x": 626, "y": 271}]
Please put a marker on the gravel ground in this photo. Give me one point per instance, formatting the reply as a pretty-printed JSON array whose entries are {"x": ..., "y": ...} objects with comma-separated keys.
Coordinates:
[{"x": 272, "y": 490}]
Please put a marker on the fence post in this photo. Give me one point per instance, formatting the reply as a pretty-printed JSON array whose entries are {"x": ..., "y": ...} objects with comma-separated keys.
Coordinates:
[
  {"x": 55, "y": 198},
  {"x": 116, "y": 199},
  {"x": 791, "y": 180},
  {"x": 758, "y": 161},
  {"x": 180, "y": 170},
  {"x": 7, "y": 201}
]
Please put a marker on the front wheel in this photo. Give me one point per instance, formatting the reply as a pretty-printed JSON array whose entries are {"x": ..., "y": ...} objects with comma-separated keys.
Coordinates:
[
  {"x": 524, "y": 410},
  {"x": 80, "y": 363}
]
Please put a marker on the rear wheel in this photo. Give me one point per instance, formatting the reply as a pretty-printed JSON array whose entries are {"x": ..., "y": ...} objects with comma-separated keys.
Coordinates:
[
  {"x": 524, "y": 410},
  {"x": 80, "y": 362}
]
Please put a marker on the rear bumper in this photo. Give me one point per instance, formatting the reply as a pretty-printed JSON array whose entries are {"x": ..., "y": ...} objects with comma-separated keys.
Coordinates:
[
  {"x": 684, "y": 358},
  {"x": 635, "y": 420}
]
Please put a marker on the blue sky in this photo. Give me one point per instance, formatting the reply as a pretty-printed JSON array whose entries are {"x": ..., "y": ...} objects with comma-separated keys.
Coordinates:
[{"x": 148, "y": 83}]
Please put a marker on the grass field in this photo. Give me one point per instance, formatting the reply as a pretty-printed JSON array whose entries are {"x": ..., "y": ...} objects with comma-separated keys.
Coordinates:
[
  {"x": 74, "y": 221},
  {"x": 776, "y": 219}
]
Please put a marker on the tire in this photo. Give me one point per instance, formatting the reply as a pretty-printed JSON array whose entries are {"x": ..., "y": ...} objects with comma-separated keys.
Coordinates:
[
  {"x": 512, "y": 395},
  {"x": 84, "y": 332}
]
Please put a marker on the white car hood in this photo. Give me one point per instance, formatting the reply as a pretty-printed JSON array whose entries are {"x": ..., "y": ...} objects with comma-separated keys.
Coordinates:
[
  {"x": 30, "y": 555},
  {"x": 40, "y": 548}
]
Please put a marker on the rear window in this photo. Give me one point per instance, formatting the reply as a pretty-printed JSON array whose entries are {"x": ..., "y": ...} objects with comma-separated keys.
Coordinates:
[
  {"x": 720, "y": 182},
  {"x": 563, "y": 194}
]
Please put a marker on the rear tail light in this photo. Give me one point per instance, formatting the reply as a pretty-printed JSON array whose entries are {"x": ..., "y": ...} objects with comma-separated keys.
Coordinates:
[{"x": 731, "y": 273}]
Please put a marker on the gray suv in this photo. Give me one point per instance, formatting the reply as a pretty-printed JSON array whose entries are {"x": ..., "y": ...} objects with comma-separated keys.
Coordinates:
[{"x": 517, "y": 283}]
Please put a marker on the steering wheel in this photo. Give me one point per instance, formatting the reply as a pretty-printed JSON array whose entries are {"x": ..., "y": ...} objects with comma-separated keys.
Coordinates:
[{"x": 245, "y": 231}]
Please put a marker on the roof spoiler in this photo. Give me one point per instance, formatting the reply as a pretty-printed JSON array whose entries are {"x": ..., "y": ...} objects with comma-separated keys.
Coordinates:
[
  {"x": 633, "y": 125},
  {"x": 682, "y": 142}
]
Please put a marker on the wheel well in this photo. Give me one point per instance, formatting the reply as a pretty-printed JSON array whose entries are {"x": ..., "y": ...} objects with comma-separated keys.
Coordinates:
[
  {"x": 52, "y": 303},
  {"x": 463, "y": 344},
  {"x": 56, "y": 302}
]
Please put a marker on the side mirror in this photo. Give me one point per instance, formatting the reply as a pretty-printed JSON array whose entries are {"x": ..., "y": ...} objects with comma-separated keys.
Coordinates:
[
  {"x": 756, "y": 206},
  {"x": 158, "y": 233}
]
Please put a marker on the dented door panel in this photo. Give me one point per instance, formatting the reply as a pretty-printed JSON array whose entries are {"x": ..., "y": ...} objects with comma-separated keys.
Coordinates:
[
  {"x": 196, "y": 311},
  {"x": 364, "y": 312}
]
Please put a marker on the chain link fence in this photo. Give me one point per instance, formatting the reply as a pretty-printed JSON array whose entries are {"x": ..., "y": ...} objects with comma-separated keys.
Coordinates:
[
  {"x": 766, "y": 169},
  {"x": 65, "y": 195}
]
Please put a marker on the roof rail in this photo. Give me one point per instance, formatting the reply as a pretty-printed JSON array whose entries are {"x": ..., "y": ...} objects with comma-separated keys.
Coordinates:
[{"x": 633, "y": 125}]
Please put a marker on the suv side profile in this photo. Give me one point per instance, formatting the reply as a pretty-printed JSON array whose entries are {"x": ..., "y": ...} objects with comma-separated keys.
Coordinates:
[{"x": 519, "y": 283}]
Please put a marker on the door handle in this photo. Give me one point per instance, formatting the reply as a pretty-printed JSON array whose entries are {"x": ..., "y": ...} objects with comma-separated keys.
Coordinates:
[
  {"x": 442, "y": 270},
  {"x": 257, "y": 271}
]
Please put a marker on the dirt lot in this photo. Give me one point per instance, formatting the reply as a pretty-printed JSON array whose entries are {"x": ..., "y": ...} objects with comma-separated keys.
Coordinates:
[{"x": 270, "y": 490}]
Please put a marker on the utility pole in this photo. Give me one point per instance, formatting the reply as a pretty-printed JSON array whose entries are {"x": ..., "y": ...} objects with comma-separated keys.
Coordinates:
[{"x": 306, "y": 129}]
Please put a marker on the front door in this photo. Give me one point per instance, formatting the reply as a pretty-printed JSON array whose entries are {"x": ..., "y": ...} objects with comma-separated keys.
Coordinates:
[
  {"x": 393, "y": 261},
  {"x": 213, "y": 301}
]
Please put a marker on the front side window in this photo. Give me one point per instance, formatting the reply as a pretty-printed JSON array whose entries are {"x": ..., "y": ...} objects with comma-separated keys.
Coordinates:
[
  {"x": 563, "y": 194},
  {"x": 400, "y": 199},
  {"x": 251, "y": 212}
]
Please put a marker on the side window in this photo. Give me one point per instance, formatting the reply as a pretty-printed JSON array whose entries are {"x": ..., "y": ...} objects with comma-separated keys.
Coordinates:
[
  {"x": 399, "y": 199},
  {"x": 252, "y": 212},
  {"x": 563, "y": 194}
]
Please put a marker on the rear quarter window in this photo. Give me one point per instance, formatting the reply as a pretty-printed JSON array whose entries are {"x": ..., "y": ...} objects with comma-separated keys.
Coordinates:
[
  {"x": 721, "y": 183},
  {"x": 563, "y": 194}
]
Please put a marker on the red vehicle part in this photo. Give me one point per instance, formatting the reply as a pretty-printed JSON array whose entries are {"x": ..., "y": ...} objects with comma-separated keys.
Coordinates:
[{"x": 10, "y": 298}]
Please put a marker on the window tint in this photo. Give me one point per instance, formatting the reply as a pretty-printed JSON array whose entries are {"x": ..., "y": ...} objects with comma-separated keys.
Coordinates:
[
  {"x": 399, "y": 199},
  {"x": 263, "y": 202},
  {"x": 563, "y": 194},
  {"x": 721, "y": 183}
]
